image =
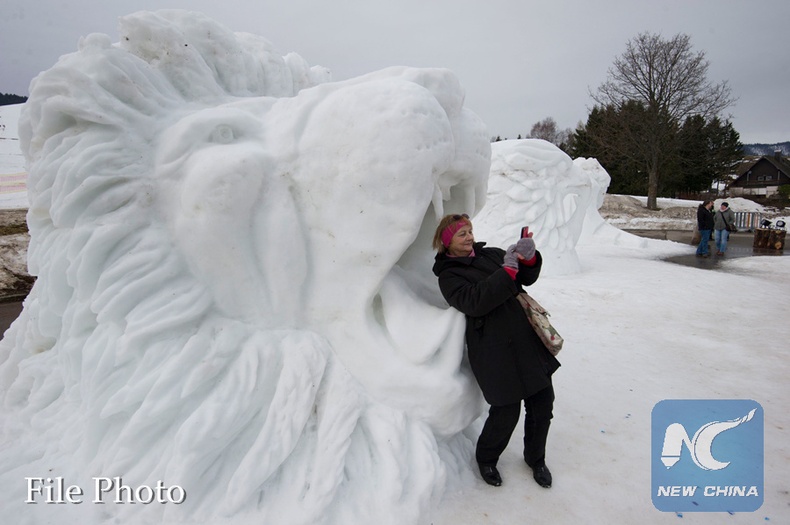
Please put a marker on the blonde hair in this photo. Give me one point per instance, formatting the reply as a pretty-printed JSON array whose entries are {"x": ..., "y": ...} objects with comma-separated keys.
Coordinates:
[{"x": 446, "y": 222}]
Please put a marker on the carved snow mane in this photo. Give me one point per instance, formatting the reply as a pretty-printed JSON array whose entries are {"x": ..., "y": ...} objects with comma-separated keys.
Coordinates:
[{"x": 233, "y": 263}]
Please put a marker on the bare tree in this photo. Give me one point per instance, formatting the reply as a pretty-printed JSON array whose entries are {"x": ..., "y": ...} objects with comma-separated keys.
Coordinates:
[
  {"x": 671, "y": 82},
  {"x": 547, "y": 130}
]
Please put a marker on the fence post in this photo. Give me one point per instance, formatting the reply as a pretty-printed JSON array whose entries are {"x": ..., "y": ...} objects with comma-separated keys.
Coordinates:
[{"x": 747, "y": 220}]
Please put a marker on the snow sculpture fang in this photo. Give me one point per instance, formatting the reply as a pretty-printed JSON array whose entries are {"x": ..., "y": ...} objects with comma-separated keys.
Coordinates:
[{"x": 233, "y": 261}]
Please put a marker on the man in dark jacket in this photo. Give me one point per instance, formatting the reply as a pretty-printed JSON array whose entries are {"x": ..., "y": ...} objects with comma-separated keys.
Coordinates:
[
  {"x": 507, "y": 357},
  {"x": 705, "y": 227}
]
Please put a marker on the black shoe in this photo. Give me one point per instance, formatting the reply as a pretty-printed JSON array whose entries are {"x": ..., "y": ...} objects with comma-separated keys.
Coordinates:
[
  {"x": 490, "y": 475},
  {"x": 542, "y": 475}
]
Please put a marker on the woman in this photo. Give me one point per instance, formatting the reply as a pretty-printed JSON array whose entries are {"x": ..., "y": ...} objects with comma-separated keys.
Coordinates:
[{"x": 508, "y": 359}]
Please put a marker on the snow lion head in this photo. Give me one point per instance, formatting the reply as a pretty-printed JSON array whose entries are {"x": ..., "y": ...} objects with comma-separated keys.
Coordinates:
[{"x": 234, "y": 291}]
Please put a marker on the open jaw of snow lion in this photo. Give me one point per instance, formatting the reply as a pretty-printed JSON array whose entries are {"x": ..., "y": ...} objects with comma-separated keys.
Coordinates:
[{"x": 234, "y": 296}]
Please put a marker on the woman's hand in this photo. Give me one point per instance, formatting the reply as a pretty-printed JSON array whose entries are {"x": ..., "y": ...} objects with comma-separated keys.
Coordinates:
[
  {"x": 526, "y": 247},
  {"x": 512, "y": 257}
]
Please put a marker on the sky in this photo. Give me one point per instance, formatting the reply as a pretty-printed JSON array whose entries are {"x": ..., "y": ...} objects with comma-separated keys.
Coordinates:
[{"x": 520, "y": 61}]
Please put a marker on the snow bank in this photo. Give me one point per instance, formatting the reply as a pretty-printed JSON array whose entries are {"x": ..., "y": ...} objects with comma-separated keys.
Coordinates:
[
  {"x": 13, "y": 175},
  {"x": 735, "y": 203}
]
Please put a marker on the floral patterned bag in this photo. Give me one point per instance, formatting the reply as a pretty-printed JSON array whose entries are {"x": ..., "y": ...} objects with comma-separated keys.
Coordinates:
[{"x": 539, "y": 319}]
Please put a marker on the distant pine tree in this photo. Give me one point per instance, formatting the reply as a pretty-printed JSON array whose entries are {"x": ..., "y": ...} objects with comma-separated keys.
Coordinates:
[{"x": 6, "y": 99}]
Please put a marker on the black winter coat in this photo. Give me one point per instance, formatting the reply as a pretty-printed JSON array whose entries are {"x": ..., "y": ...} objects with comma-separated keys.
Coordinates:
[
  {"x": 704, "y": 218},
  {"x": 507, "y": 357}
]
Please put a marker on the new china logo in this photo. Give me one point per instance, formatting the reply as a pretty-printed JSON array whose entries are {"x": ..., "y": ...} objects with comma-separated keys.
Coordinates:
[{"x": 707, "y": 455}]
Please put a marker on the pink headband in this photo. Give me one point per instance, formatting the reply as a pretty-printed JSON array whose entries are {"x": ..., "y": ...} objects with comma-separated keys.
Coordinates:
[{"x": 447, "y": 233}]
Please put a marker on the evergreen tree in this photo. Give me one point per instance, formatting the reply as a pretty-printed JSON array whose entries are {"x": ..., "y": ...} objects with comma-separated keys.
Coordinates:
[
  {"x": 7, "y": 99},
  {"x": 708, "y": 150},
  {"x": 618, "y": 137},
  {"x": 691, "y": 157}
]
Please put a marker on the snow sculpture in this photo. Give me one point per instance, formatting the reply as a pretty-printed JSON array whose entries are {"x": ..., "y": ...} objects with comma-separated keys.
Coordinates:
[
  {"x": 234, "y": 293},
  {"x": 533, "y": 183},
  {"x": 596, "y": 229}
]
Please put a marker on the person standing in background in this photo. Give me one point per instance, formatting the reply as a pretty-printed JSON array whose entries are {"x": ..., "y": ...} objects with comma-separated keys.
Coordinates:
[
  {"x": 705, "y": 222},
  {"x": 723, "y": 221}
]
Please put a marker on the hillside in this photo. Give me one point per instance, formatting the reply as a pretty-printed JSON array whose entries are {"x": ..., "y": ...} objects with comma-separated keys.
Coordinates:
[{"x": 759, "y": 150}]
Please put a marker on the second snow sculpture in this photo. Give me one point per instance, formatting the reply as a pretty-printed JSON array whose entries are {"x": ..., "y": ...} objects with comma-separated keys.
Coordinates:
[
  {"x": 534, "y": 183},
  {"x": 234, "y": 292}
]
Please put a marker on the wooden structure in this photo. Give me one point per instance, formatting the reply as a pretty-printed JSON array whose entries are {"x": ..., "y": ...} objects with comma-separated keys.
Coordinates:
[
  {"x": 769, "y": 239},
  {"x": 761, "y": 177}
]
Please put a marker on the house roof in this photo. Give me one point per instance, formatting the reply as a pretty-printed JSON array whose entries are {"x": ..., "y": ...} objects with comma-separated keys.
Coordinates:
[
  {"x": 745, "y": 165},
  {"x": 780, "y": 163}
]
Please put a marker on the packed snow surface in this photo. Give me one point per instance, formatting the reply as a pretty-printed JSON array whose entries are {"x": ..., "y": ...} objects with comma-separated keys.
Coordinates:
[{"x": 234, "y": 298}]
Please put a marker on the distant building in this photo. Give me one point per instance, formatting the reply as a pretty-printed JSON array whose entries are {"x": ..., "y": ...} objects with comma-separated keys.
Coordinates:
[{"x": 761, "y": 177}]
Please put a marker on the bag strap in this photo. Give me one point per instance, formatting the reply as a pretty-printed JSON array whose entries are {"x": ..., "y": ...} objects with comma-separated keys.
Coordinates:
[{"x": 726, "y": 224}]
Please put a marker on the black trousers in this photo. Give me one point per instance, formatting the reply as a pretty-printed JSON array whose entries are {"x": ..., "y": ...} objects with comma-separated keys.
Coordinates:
[{"x": 502, "y": 420}]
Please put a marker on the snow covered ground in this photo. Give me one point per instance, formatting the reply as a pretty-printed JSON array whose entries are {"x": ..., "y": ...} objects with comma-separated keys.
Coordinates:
[
  {"x": 13, "y": 203},
  {"x": 13, "y": 190},
  {"x": 637, "y": 330}
]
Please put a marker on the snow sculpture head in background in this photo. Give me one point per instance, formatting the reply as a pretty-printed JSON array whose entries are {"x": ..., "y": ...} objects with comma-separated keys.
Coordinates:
[
  {"x": 534, "y": 183},
  {"x": 234, "y": 291}
]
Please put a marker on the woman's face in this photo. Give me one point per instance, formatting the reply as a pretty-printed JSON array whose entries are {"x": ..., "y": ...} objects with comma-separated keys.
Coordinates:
[{"x": 462, "y": 241}]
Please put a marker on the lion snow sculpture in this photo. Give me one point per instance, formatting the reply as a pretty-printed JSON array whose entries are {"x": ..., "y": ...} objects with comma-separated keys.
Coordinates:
[{"x": 234, "y": 294}]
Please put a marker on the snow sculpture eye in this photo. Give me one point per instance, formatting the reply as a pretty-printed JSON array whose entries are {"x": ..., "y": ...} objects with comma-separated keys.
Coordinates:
[{"x": 222, "y": 134}]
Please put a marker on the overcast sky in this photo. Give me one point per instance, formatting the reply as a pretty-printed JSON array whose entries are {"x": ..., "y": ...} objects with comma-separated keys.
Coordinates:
[{"x": 520, "y": 61}]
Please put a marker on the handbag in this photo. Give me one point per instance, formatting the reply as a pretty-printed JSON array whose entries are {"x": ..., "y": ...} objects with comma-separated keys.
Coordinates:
[
  {"x": 539, "y": 319},
  {"x": 730, "y": 227}
]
